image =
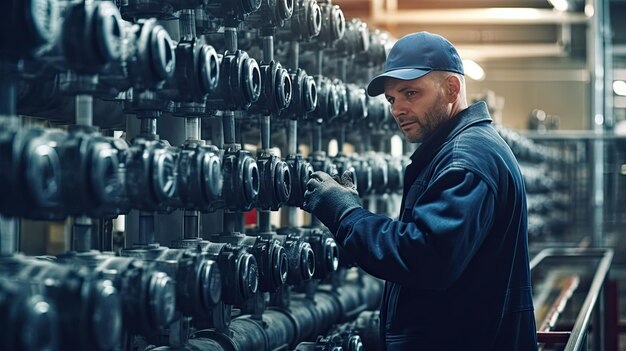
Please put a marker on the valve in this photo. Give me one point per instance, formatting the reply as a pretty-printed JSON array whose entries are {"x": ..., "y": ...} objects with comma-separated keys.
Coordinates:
[
  {"x": 92, "y": 309},
  {"x": 200, "y": 180},
  {"x": 271, "y": 259},
  {"x": 333, "y": 25},
  {"x": 364, "y": 175},
  {"x": 196, "y": 73},
  {"x": 31, "y": 179},
  {"x": 355, "y": 41},
  {"x": 325, "y": 249},
  {"x": 148, "y": 295},
  {"x": 151, "y": 174},
  {"x": 26, "y": 26},
  {"x": 275, "y": 182},
  {"x": 306, "y": 22},
  {"x": 239, "y": 83},
  {"x": 303, "y": 97},
  {"x": 376, "y": 53},
  {"x": 198, "y": 278},
  {"x": 92, "y": 171},
  {"x": 276, "y": 89},
  {"x": 271, "y": 14},
  {"x": 92, "y": 34},
  {"x": 320, "y": 162},
  {"x": 300, "y": 171},
  {"x": 239, "y": 269},
  {"x": 380, "y": 173},
  {"x": 241, "y": 180},
  {"x": 342, "y": 94},
  {"x": 396, "y": 168},
  {"x": 356, "y": 101},
  {"x": 28, "y": 320},
  {"x": 148, "y": 59},
  {"x": 269, "y": 255},
  {"x": 328, "y": 101},
  {"x": 300, "y": 255},
  {"x": 378, "y": 113}
]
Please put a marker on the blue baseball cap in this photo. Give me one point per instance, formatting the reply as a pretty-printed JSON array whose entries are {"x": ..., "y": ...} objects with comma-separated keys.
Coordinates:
[{"x": 415, "y": 55}]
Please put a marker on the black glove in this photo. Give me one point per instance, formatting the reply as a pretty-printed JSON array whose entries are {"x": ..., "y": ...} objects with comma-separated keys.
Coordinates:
[{"x": 329, "y": 200}]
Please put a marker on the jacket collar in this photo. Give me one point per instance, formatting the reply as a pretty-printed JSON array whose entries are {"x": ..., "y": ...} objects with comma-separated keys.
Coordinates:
[{"x": 475, "y": 113}]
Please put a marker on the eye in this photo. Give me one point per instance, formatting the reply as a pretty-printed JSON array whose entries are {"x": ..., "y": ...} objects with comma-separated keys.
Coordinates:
[
  {"x": 390, "y": 100},
  {"x": 411, "y": 93}
]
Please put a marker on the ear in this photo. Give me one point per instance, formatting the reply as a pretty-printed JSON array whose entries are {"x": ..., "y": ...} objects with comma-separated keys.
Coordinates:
[{"x": 452, "y": 87}]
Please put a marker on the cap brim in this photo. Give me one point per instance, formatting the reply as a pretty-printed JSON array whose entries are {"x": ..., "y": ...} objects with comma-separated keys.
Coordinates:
[{"x": 377, "y": 85}]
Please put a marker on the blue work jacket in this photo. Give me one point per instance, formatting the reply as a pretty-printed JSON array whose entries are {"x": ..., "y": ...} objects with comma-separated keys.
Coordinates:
[{"x": 456, "y": 262}]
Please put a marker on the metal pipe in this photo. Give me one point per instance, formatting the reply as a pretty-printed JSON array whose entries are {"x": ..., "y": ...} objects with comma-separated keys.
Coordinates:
[
  {"x": 187, "y": 24},
  {"x": 191, "y": 225},
  {"x": 267, "y": 44},
  {"x": 7, "y": 96},
  {"x": 84, "y": 110},
  {"x": 146, "y": 228},
  {"x": 230, "y": 38},
  {"x": 230, "y": 219},
  {"x": 292, "y": 216},
  {"x": 192, "y": 128},
  {"x": 320, "y": 62},
  {"x": 265, "y": 132},
  {"x": 342, "y": 68},
  {"x": 341, "y": 138},
  {"x": 264, "y": 221},
  {"x": 9, "y": 235},
  {"x": 228, "y": 125},
  {"x": 294, "y": 55},
  {"x": 148, "y": 126},
  {"x": 217, "y": 132},
  {"x": 292, "y": 137},
  {"x": 595, "y": 60},
  {"x": 316, "y": 143},
  {"x": 81, "y": 234}
]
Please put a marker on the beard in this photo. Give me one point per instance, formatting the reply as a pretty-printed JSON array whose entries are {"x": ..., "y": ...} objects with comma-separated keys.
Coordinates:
[{"x": 433, "y": 119}]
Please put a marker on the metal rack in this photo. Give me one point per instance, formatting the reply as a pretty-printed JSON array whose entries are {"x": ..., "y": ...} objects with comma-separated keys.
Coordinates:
[{"x": 592, "y": 266}]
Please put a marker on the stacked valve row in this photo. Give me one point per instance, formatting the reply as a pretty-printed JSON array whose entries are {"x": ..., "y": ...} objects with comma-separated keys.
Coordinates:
[
  {"x": 546, "y": 172},
  {"x": 225, "y": 75}
]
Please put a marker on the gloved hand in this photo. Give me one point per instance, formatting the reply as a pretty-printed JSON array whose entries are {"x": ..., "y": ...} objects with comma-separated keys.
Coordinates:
[{"x": 329, "y": 200}]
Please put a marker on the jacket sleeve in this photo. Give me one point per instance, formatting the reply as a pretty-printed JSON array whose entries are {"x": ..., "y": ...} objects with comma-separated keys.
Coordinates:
[{"x": 447, "y": 225}]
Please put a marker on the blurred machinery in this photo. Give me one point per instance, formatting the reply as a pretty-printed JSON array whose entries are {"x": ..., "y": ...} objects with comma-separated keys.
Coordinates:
[{"x": 215, "y": 100}]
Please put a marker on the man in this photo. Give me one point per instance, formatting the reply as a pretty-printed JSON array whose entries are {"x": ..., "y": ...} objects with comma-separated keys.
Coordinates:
[{"x": 456, "y": 262}]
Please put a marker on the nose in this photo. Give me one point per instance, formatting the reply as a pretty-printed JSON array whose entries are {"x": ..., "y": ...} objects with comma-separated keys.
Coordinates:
[{"x": 397, "y": 109}]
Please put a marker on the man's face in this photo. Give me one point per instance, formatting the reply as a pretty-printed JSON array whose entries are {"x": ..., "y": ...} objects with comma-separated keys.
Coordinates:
[{"x": 418, "y": 105}]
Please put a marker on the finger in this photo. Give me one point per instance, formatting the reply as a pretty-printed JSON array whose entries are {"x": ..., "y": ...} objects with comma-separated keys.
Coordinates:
[
  {"x": 312, "y": 184},
  {"x": 316, "y": 175},
  {"x": 348, "y": 177},
  {"x": 306, "y": 203},
  {"x": 321, "y": 176}
]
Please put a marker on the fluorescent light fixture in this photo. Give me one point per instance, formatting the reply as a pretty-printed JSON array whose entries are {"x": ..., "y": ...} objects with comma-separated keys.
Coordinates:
[
  {"x": 559, "y": 5},
  {"x": 473, "y": 70},
  {"x": 619, "y": 87}
]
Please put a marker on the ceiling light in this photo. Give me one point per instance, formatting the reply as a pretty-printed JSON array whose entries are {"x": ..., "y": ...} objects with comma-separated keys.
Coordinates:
[
  {"x": 473, "y": 70},
  {"x": 559, "y": 5},
  {"x": 619, "y": 87}
]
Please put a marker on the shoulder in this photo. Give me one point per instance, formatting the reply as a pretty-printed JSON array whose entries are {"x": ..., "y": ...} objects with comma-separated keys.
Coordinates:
[{"x": 481, "y": 150}]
